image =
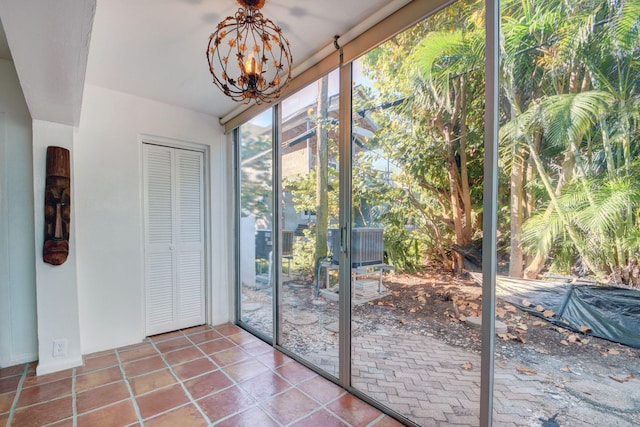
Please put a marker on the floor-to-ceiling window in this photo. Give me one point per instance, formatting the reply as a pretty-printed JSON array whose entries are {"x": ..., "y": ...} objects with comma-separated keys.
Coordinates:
[
  {"x": 416, "y": 194},
  {"x": 569, "y": 87},
  {"x": 309, "y": 202},
  {"x": 411, "y": 334},
  {"x": 255, "y": 150}
]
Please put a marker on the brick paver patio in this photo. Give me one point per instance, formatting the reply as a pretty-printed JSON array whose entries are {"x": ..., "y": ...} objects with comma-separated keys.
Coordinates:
[{"x": 435, "y": 384}]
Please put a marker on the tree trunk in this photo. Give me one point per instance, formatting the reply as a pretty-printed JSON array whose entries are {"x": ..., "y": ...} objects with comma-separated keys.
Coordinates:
[
  {"x": 516, "y": 182},
  {"x": 517, "y": 195},
  {"x": 464, "y": 170},
  {"x": 538, "y": 261},
  {"x": 454, "y": 195},
  {"x": 322, "y": 169},
  {"x": 530, "y": 196}
]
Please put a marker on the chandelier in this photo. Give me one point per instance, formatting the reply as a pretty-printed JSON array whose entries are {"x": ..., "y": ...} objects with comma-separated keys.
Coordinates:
[{"x": 248, "y": 56}]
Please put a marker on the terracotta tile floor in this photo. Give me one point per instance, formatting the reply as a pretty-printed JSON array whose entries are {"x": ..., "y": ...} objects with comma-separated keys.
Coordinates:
[{"x": 201, "y": 376}]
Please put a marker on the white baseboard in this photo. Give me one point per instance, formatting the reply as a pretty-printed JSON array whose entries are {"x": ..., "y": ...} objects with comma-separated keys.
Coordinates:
[
  {"x": 58, "y": 366},
  {"x": 23, "y": 358}
]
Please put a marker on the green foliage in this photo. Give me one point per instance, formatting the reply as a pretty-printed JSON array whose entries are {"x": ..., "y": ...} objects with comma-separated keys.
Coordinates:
[
  {"x": 571, "y": 74},
  {"x": 304, "y": 249},
  {"x": 303, "y": 189},
  {"x": 599, "y": 215},
  {"x": 570, "y": 114}
]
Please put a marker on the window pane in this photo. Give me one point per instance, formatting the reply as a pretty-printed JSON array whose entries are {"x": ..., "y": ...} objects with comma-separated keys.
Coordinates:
[
  {"x": 256, "y": 223},
  {"x": 569, "y": 220},
  {"x": 417, "y": 184},
  {"x": 309, "y": 159}
]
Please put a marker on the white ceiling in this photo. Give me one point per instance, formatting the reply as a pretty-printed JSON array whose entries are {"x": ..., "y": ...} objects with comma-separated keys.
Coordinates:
[
  {"x": 156, "y": 48},
  {"x": 49, "y": 42}
]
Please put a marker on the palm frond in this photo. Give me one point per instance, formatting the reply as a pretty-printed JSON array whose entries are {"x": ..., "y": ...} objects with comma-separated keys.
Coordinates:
[
  {"x": 610, "y": 204},
  {"x": 626, "y": 26},
  {"x": 566, "y": 117},
  {"x": 540, "y": 232}
]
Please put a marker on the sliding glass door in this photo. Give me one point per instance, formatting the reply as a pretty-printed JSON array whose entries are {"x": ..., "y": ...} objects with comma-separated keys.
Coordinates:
[
  {"x": 415, "y": 193},
  {"x": 308, "y": 279},
  {"x": 390, "y": 241}
]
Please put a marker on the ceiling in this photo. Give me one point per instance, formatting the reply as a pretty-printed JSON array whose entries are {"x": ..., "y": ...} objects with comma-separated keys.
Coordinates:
[{"x": 156, "y": 48}]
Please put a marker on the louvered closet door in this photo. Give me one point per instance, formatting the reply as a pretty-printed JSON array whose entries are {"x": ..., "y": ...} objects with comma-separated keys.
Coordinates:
[{"x": 174, "y": 238}]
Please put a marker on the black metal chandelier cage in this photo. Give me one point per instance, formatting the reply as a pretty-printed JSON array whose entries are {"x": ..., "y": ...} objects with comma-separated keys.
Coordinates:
[{"x": 249, "y": 58}]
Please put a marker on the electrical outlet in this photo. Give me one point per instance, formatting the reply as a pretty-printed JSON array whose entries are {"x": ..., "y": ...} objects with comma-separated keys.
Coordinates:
[{"x": 60, "y": 348}]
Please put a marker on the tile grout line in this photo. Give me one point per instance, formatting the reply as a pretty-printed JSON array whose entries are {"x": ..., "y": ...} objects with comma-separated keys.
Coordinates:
[
  {"x": 233, "y": 381},
  {"x": 17, "y": 396},
  {"x": 126, "y": 381},
  {"x": 184, "y": 388},
  {"x": 292, "y": 386},
  {"x": 74, "y": 403},
  {"x": 377, "y": 420},
  {"x": 322, "y": 405},
  {"x": 257, "y": 404}
]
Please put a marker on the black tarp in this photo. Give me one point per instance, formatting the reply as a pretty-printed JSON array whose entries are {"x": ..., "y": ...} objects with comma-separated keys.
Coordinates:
[{"x": 609, "y": 312}]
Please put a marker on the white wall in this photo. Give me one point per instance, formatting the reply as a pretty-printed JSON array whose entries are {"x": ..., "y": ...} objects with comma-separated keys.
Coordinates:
[
  {"x": 18, "y": 329},
  {"x": 57, "y": 287},
  {"x": 107, "y": 166}
]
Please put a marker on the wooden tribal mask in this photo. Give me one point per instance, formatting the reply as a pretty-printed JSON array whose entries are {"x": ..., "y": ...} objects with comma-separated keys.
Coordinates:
[{"x": 57, "y": 206}]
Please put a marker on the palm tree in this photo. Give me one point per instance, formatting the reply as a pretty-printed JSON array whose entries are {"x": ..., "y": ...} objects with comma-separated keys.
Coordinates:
[{"x": 595, "y": 48}]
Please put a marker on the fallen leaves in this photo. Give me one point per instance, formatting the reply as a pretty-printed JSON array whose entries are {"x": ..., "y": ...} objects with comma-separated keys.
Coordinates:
[
  {"x": 473, "y": 306},
  {"x": 539, "y": 308},
  {"x": 508, "y": 336},
  {"x": 524, "y": 370},
  {"x": 512, "y": 337},
  {"x": 548, "y": 313},
  {"x": 573, "y": 338},
  {"x": 510, "y": 308},
  {"x": 622, "y": 380},
  {"x": 467, "y": 366},
  {"x": 610, "y": 352}
]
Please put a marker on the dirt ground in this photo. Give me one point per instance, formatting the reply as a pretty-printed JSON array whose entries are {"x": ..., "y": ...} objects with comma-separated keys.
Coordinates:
[{"x": 437, "y": 303}]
